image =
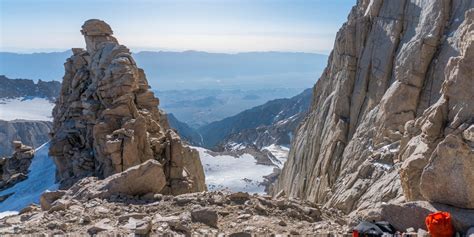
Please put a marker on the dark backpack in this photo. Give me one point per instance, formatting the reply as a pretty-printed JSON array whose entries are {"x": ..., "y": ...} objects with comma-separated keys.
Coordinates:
[{"x": 373, "y": 229}]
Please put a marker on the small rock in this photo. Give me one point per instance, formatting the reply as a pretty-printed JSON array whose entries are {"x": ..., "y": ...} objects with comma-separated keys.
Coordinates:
[
  {"x": 239, "y": 197},
  {"x": 84, "y": 220},
  {"x": 183, "y": 199},
  {"x": 224, "y": 213},
  {"x": 206, "y": 216},
  {"x": 138, "y": 226},
  {"x": 29, "y": 208},
  {"x": 59, "y": 205},
  {"x": 47, "y": 198},
  {"x": 217, "y": 199},
  {"x": 294, "y": 232},
  {"x": 100, "y": 226},
  {"x": 244, "y": 216},
  {"x": 240, "y": 234},
  {"x": 158, "y": 197},
  {"x": 282, "y": 223},
  {"x": 261, "y": 209},
  {"x": 126, "y": 217}
]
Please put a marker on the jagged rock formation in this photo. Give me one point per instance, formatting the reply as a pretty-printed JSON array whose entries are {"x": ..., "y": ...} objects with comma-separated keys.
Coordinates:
[
  {"x": 106, "y": 119},
  {"x": 15, "y": 168},
  {"x": 392, "y": 109},
  {"x": 31, "y": 133},
  {"x": 14, "y": 88}
]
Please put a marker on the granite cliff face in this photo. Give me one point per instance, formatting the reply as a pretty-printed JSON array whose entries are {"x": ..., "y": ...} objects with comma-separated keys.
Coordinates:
[
  {"x": 107, "y": 120},
  {"x": 392, "y": 114}
]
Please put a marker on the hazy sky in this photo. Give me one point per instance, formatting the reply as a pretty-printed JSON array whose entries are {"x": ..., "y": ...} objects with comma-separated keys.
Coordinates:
[{"x": 206, "y": 25}]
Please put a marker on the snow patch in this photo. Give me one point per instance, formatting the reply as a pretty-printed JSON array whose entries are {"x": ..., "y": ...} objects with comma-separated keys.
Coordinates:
[
  {"x": 26, "y": 108},
  {"x": 41, "y": 177},
  {"x": 382, "y": 166},
  {"x": 239, "y": 174}
]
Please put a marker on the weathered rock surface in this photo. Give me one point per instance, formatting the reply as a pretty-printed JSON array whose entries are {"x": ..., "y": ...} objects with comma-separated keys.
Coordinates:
[
  {"x": 31, "y": 133},
  {"x": 15, "y": 168},
  {"x": 106, "y": 119},
  {"x": 145, "y": 179},
  {"x": 392, "y": 114},
  {"x": 205, "y": 213}
]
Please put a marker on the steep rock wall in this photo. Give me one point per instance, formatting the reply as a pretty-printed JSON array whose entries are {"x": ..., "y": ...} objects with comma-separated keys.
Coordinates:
[{"x": 387, "y": 69}]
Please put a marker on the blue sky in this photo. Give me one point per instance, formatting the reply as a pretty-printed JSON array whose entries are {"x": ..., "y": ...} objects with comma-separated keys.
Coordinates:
[{"x": 177, "y": 25}]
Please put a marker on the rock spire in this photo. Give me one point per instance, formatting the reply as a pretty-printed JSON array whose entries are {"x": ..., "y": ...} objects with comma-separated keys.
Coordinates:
[{"x": 107, "y": 120}]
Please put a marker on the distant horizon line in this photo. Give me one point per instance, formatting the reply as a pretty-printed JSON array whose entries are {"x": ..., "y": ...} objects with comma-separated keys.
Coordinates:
[{"x": 46, "y": 51}]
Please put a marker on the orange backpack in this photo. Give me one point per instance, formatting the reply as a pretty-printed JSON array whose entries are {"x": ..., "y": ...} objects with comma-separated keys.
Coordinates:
[{"x": 439, "y": 224}]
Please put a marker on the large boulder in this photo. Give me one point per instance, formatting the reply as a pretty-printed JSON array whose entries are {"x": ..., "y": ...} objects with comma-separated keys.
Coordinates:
[
  {"x": 449, "y": 176},
  {"x": 138, "y": 180},
  {"x": 144, "y": 179},
  {"x": 413, "y": 214}
]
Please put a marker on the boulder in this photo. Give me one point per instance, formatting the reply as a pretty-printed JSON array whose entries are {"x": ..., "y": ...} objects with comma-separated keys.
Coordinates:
[
  {"x": 142, "y": 179},
  {"x": 48, "y": 197},
  {"x": 448, "y": 177},
  {"x": 239, "y": 197},
  {"x": 413, "y": 214},
  {"x": 206, "y": 216}
]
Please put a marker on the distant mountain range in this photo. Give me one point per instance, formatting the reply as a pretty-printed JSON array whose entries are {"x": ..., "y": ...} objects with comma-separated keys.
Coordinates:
[
  {"x": 189, "y": 69},
  {"x": 15, "y": 88},
  {"x": 270, "y": 123}
]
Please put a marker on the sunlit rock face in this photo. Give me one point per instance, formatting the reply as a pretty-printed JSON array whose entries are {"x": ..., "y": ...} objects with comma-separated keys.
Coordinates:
[
  {"x": 107, "y": 120},
  {"x": 392, "y": 114}
]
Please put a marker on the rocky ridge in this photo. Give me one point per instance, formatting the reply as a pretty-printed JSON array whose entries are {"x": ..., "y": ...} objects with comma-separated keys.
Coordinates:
[
  {"x": 392, "y": 114},
  {"x": 107, "y": 120}
]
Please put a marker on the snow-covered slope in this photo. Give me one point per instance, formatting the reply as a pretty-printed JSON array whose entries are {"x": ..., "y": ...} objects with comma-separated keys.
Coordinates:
[
  {"x": 279, "y": 152},
  {"x": 41, "y": 177},
  {"x": 26, "y": 108},
  {"x": 240, "y": 173}
]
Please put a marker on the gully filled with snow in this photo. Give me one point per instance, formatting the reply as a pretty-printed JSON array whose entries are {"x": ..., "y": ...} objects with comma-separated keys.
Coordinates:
[{"x": 41, "y": 177}]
